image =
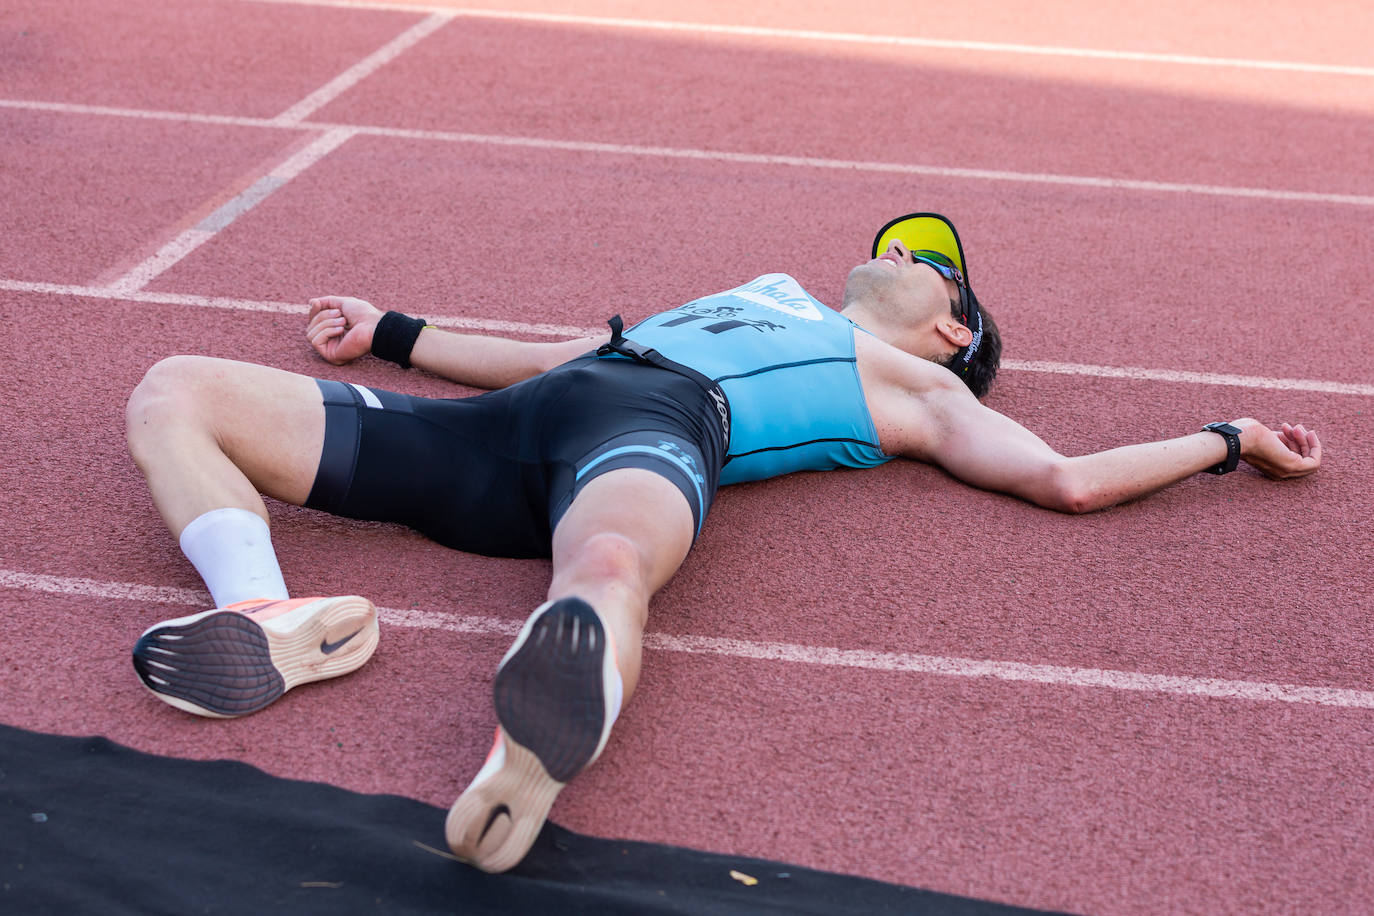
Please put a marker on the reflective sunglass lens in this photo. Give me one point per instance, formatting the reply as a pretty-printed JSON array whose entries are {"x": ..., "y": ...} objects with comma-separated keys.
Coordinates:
[
  {"x": 935, "y": 256},
  {"x": 946, "y": 270}
]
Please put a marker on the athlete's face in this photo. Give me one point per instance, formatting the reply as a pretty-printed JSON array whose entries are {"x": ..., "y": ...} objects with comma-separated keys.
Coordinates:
[{"x": 894, "y": 280}]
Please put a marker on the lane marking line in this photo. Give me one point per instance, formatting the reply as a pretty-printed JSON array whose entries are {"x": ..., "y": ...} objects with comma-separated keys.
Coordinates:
[
  {"x": 860, "y": 165},
  {"x": 1189, "y": 377},
  {"x": 570, "y": 331},
  {"x": 765, "y": 159},
  {"x": 362, "y": 69},
  {"x": 188, "y": 241},
  {"x": 820, "y": 656},
  {"x": 1052, "y": 675},
  {"x": 288, "y": 308},
  {"x": 745, "y": 31},
  {"x": 148, "y": 114}
]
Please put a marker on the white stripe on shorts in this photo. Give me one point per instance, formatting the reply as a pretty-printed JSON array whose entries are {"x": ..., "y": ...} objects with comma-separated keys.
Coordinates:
[{"x": 369, "y": 398}]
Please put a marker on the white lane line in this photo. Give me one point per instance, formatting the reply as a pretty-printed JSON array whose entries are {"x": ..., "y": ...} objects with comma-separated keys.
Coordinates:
[
  {"x": 766, "y": 159},
  {"x": 168, "y": 255},
  {"x": 362, "y": 69},
  {"x": 94, "y": 588},
  {"x": 861, "y": 165},
  {"x": 569, "y": 331},
  {"x": 191, "y": 239},
  {"x": 289, "y": 308},
  {"x": 148, "y": 114},
  {"x": 901, "y": 41},
  {"x": 1053, "y": 675},
  {"x": 820, "y": 656},
  {"x": 1189, "y": 378}
]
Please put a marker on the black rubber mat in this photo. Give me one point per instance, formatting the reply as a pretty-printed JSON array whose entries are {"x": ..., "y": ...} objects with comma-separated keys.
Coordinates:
[{"x": 88, "y": 826}]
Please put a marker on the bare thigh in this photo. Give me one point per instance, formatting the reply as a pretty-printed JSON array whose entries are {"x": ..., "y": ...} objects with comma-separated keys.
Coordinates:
[
  {"x": 644, "y": 512},
  {"x": 267, "y": 422},
  {"x": 622, "y": 539}
]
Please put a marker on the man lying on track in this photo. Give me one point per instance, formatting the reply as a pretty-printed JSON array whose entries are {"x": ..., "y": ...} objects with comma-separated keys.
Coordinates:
[{"x": 603, "y": 453}]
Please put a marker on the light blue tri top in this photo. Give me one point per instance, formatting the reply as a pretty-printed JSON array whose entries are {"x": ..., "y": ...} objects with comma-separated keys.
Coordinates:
[{"x": 786, "y": 362}]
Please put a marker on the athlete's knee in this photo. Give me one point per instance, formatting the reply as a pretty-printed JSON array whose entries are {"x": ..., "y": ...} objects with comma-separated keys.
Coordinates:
[
  {"x": 167, "y": 396},
  {"x": 611, "y": 558}
]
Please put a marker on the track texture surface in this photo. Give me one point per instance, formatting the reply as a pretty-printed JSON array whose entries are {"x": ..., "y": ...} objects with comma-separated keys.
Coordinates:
[{"x": 1165, "y": 707}]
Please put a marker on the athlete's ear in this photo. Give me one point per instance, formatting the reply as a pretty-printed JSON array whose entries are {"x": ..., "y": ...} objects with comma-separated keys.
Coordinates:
[{"x": 952, "y": 331}]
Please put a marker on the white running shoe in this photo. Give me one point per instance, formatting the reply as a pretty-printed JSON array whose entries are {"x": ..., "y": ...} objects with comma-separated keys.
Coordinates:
[
  {"x": 235, "y": 660},
  {"x": 557, "y": 694}
]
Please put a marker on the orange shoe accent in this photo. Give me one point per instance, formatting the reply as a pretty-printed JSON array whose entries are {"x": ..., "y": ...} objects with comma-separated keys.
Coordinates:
[
  {"x": 266, "y": 608},
  {"x": 556, "y": 694},
  {"x": 239, "y": 659}
]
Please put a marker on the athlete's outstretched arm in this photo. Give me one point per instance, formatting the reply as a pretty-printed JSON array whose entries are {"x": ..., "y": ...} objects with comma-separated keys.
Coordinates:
[
  {"x": 985, "y": 448},
  {"x": 340, "y": 329}
]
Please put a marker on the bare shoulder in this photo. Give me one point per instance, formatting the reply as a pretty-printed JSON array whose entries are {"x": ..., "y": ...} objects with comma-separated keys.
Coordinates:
[{"x": 906, "y": 395}]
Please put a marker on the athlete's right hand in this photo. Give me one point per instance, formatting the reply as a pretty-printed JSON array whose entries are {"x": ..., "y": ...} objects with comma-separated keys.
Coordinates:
[
  {"x": 340, "y": 328},
  {"x": 1290, "y": 451}
]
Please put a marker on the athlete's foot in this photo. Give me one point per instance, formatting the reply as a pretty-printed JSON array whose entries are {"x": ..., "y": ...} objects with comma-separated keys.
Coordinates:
[
  {"x": 557, "y": 693},
  {"x": 235, "y": 660}
]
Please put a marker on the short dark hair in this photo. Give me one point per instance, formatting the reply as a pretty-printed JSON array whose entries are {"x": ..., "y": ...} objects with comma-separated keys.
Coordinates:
[{"x": 985, "y": 362}]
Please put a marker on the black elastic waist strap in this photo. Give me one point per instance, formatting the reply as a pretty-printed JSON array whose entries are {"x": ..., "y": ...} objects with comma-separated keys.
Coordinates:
[{"x": 650, "y": 357}]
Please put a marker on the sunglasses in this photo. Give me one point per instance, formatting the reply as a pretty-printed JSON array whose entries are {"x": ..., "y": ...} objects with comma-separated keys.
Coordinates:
[
  {"x": 946, "y": 269},
  {"x": 941, "y": 263}
]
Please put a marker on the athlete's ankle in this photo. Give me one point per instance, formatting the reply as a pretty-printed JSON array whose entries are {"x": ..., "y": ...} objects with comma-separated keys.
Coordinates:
[{"x": 231, "y": 548}]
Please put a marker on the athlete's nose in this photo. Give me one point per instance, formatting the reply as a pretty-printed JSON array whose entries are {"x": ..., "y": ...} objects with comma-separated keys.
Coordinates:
[{"x": 901, "y": 251}]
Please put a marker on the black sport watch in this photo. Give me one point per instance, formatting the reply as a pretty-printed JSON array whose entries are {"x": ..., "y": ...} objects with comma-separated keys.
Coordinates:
[{"x": 1232, "y": 436}]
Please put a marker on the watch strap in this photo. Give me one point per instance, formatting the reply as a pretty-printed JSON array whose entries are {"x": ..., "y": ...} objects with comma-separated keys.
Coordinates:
[{"x": 1232, "y": 436}]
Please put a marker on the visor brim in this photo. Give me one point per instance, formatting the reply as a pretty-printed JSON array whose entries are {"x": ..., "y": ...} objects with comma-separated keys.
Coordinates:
[{"x": 923, "y": 232}]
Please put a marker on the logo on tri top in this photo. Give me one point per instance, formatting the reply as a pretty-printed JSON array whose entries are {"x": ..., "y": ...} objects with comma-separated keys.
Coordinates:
[
  {"x": 722, "y": 408},
  {"x": 780, "y": 293}
]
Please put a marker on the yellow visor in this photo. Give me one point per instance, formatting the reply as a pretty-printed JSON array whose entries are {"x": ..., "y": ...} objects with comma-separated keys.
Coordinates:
[{"x": 923, "y": 232}]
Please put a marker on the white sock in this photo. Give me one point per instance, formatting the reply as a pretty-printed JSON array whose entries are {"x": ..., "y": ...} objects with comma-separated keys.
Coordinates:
[
  {"x": 617, "y": 688},
  {"x": 232, "y": 551}
]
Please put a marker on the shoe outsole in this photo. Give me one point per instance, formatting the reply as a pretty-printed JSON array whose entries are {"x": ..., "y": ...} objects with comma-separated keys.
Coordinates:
[
  {"x": 549, "y": 694},
  {"x": 224, "y": 664},
  {"x": 550, "y": 698}
]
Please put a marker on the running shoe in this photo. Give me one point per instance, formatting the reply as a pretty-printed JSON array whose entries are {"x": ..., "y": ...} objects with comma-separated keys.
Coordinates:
[
  {"x": 235, "y": 660},
  {"x": 557, "y": 693}
]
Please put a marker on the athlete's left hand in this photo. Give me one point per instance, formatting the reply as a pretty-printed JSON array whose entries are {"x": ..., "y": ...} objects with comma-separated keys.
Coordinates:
[
  {"x": 1290, "y": 451},
  {"x": 340, "y": 327}
]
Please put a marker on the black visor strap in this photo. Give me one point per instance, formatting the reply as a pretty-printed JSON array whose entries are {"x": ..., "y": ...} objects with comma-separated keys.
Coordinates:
[{"x": 963, "y": 358}]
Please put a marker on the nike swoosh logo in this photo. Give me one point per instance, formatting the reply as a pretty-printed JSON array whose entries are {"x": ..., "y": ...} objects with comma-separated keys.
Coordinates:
[
  {"x": 491, "y": 819},
  {"x": 328, "y": 648}
]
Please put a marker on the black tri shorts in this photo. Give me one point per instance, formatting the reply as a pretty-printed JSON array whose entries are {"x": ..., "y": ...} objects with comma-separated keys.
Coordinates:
[{"x": 494, "y": 473}]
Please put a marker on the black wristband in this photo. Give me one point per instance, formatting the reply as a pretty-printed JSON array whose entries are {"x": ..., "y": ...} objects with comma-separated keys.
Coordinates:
[
  {"x": 1232, "y": 436},
  {"x": 394, "y": 337}
]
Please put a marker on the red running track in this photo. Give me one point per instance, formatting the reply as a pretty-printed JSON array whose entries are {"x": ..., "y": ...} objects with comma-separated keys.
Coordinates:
[{"x": 525, "y": 171}]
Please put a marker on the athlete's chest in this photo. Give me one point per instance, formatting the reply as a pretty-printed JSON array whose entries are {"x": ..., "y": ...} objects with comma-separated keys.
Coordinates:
[{"x": 769, "y": 321}]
